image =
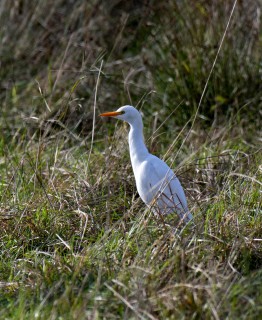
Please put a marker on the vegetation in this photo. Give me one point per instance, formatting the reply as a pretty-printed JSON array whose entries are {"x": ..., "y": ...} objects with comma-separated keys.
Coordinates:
[{"x": 76, "y": 241}]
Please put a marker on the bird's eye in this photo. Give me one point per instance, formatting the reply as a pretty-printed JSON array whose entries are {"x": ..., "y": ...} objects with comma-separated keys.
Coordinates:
[{"x": 122, "y": 112}]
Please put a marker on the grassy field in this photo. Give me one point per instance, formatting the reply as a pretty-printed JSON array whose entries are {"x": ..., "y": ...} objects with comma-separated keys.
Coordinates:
[{"x": 76, "y": 242}]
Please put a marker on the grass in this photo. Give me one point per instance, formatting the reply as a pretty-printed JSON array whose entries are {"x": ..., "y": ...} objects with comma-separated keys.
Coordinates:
[{"x": 76, "y": 241}]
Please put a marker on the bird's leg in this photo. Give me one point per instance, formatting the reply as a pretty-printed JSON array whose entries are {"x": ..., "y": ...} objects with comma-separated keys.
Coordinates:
[{"x": 154, "y": 205}]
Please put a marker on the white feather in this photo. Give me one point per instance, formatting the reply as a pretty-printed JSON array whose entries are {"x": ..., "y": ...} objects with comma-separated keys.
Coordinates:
[{"x": 156, "y": 183}]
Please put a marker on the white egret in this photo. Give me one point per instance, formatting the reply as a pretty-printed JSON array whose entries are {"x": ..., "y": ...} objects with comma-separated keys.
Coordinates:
[{"x": 156, "y": 183}]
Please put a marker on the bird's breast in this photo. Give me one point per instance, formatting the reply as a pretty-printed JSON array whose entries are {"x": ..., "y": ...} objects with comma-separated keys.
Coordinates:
[{"x": 147, "y": 181}]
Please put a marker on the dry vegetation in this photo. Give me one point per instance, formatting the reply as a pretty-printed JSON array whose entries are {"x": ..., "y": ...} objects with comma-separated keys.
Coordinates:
[{"x": 76, "y": 241}]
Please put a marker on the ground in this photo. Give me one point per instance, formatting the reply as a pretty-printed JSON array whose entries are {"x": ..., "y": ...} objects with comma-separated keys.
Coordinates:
[{"x": 76, "y": 241}]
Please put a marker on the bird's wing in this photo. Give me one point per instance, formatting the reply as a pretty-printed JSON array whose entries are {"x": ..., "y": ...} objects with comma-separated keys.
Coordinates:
[
  {"x": 149, "y": 178},
  {"x": 159, "y": 187}
]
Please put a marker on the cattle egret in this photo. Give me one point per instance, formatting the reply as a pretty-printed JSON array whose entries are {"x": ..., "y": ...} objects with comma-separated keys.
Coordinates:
[{"x": 156, "y": 183}]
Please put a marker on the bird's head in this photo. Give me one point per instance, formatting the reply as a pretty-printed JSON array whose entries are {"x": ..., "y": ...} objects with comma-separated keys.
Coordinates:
[{"x": 125, "y": 113}]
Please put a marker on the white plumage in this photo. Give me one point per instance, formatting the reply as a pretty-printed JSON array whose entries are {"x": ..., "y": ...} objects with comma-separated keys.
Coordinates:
[{"x": 156, "y": 183}]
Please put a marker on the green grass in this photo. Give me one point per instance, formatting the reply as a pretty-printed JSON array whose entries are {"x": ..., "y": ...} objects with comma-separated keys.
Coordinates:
[{"x": 76, "y": 241}]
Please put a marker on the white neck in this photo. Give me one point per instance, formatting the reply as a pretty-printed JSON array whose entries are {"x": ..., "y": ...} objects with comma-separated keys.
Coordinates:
[{"x": 137, "y": 148}]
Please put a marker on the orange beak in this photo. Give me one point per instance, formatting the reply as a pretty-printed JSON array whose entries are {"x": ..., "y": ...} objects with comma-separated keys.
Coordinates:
[{"x": 110, "y": 114}]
